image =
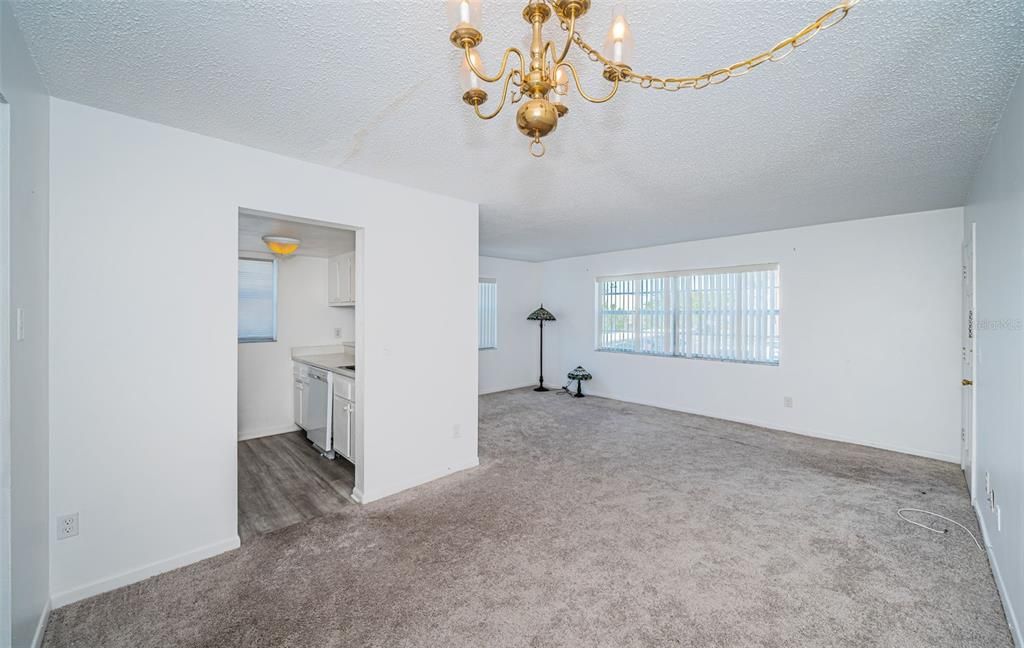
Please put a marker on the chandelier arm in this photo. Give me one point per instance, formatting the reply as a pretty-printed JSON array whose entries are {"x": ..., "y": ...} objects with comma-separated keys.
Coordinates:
[
  {"x": 779, "y": 51},
  {"x": 504, "y": 96},
  {"x": 579, "y": 87},
  {"x": 568, "y": 40},
  {"x": 504, "y": 63}
]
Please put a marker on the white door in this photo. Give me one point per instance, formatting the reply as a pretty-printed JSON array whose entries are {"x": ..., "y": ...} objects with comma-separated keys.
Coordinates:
[{"x": 969, "y": 329}]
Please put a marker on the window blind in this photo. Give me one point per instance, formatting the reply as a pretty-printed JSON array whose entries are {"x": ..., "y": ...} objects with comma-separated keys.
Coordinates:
[
  {"x": 719, "y": 314},
  {"x": 257, "y": 300},
  {"x": 488, "y": 316}
]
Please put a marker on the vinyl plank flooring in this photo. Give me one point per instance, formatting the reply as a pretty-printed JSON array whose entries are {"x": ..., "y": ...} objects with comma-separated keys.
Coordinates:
[{"x": 283, "y": 480}]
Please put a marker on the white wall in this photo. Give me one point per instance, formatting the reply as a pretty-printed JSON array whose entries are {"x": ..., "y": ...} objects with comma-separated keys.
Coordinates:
[
  {"x": 996, "y": 206},
  {"x": 28, "y": 486},
  {"x": 515, "y": 362},
  {"x": 265, "y": 368},
  {"x": 145, "y": 360},
  {"x": 870, "y": 333}
]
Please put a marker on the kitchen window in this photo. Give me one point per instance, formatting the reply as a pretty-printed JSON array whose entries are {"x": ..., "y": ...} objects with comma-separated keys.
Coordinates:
[
  {"x": 257, "y": 300},
  {"x": 488, "y": 315},
  {"x": 727, "y": 314}
]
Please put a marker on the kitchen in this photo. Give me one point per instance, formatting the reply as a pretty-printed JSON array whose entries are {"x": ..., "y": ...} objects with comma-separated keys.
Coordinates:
[{"x": 296, "y": 372}]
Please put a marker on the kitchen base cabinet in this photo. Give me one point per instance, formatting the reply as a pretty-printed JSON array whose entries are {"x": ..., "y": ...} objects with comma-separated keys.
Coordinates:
[{"x": 343, "y": 416}]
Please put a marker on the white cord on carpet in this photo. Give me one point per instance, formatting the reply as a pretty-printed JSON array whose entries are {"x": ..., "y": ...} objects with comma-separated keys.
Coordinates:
[{"x": 899, "y": 512}]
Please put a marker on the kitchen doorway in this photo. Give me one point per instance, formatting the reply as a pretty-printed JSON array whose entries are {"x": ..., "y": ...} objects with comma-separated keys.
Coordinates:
[{"x": 299, "y": 424}]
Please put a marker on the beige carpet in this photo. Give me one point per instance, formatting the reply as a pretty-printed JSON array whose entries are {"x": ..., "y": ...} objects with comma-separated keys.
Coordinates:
[{"x": 595, "y": 523}]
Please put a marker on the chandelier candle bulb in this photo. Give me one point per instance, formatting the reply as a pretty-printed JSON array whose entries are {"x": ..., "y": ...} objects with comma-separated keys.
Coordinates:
[
  {"x": 467, "y": 78},
  {"x": 464, "y": 13},
  {"x": 560, "y": 92},
  {"x": 618, "y": 44}
]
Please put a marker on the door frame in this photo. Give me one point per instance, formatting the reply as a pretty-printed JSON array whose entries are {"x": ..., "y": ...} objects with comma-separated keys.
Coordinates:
[
  {"x": 6, "y": 524},
  {"x": 968, "y": 363}
]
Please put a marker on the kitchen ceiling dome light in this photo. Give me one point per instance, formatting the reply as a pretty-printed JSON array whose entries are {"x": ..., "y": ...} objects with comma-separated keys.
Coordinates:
[
  {"x": 281, "y": 245},
  {"x": 544, "y": 81}
]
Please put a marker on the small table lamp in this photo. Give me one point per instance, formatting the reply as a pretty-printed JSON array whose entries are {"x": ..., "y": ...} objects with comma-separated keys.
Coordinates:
[
  {"x": 579, "y": 374},
  {"x": 541, "y": 315}
]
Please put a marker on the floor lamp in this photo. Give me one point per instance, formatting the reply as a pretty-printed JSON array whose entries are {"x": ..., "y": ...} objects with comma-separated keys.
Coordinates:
[{"x": 541, "y": 315}]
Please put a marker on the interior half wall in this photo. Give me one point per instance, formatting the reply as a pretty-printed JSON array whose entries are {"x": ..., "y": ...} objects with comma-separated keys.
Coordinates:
[{"x": 143, "y": 273}]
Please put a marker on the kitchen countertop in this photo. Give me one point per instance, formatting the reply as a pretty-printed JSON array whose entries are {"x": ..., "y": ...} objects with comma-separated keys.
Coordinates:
[{"x": 330, "y": 362}]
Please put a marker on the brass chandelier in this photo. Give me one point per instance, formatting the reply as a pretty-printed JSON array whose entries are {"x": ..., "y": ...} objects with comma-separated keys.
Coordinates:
[{"x": 544, "y": 81}]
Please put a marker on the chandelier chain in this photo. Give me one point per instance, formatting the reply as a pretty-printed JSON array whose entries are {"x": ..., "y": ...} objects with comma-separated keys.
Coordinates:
[{"x": 779, "y": 51}]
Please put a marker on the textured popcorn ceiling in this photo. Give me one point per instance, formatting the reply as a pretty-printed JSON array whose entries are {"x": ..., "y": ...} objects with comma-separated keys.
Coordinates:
[{"x": 889, "y": 112}]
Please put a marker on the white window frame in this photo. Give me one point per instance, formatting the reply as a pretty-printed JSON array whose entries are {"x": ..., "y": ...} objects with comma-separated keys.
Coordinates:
[
  {"x": 255, "y": 340},
  {"x": 730, "y": 336},
  {"x": 487, "y": 319}
]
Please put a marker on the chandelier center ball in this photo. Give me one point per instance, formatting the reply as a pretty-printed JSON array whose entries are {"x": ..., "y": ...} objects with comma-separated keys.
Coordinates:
[{"x": 537, "y": 118}]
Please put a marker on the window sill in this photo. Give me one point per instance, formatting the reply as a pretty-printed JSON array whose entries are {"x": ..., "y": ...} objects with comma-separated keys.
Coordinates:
[
  {"x": 681, "y": 357},
  {"x": 493, "y": 348}
]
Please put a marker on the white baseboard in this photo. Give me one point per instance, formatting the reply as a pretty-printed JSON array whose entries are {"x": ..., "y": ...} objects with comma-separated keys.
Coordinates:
[
  {"x": 37, "y": 639},
  {"x": 256, "y": 433},
  {"x": 510, "y": 388},
  {"x": 1004, "y": 595},
  {"x": 144, "y": 572},
  {"x": 817, "y": 435},
  {"x": 366, "y": 497},
  {"x": 357, "y": 496}
]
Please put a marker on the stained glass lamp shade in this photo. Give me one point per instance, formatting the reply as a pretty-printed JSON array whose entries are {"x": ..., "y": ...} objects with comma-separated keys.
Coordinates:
[
  {"x": 541, "y": 314},
  {"x": 579, "y": 374}
]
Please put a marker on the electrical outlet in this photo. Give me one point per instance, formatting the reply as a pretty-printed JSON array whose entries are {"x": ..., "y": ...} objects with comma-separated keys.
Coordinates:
[
  {"x": 337, "y": 333},
  {"x": 988, "y": 484},
  {"x": 456, "y": 431},
  {"x": 787, "y": 401},
  {"x": 992, "y": 501},
  {"x": 67, "y": 526}
]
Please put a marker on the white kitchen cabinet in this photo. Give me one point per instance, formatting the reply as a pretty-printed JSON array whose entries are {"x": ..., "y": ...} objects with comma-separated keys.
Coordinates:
[
  {"x": 341, "y": 280},
  {"x": 299, "y": 400},
  {"x": 341, "y": 426},
  {"x": 343, "y": 415}
]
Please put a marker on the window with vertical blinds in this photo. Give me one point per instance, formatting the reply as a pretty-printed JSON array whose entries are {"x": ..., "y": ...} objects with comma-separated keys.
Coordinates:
[
  {"x": 721, "y": 314},
  {"x": 257, "y": 300},
  {"x": 488, "y": 317}
]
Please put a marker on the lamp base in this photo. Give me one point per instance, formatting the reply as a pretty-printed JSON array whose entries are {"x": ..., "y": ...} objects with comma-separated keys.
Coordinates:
[{"x": 541, "y": 388}]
